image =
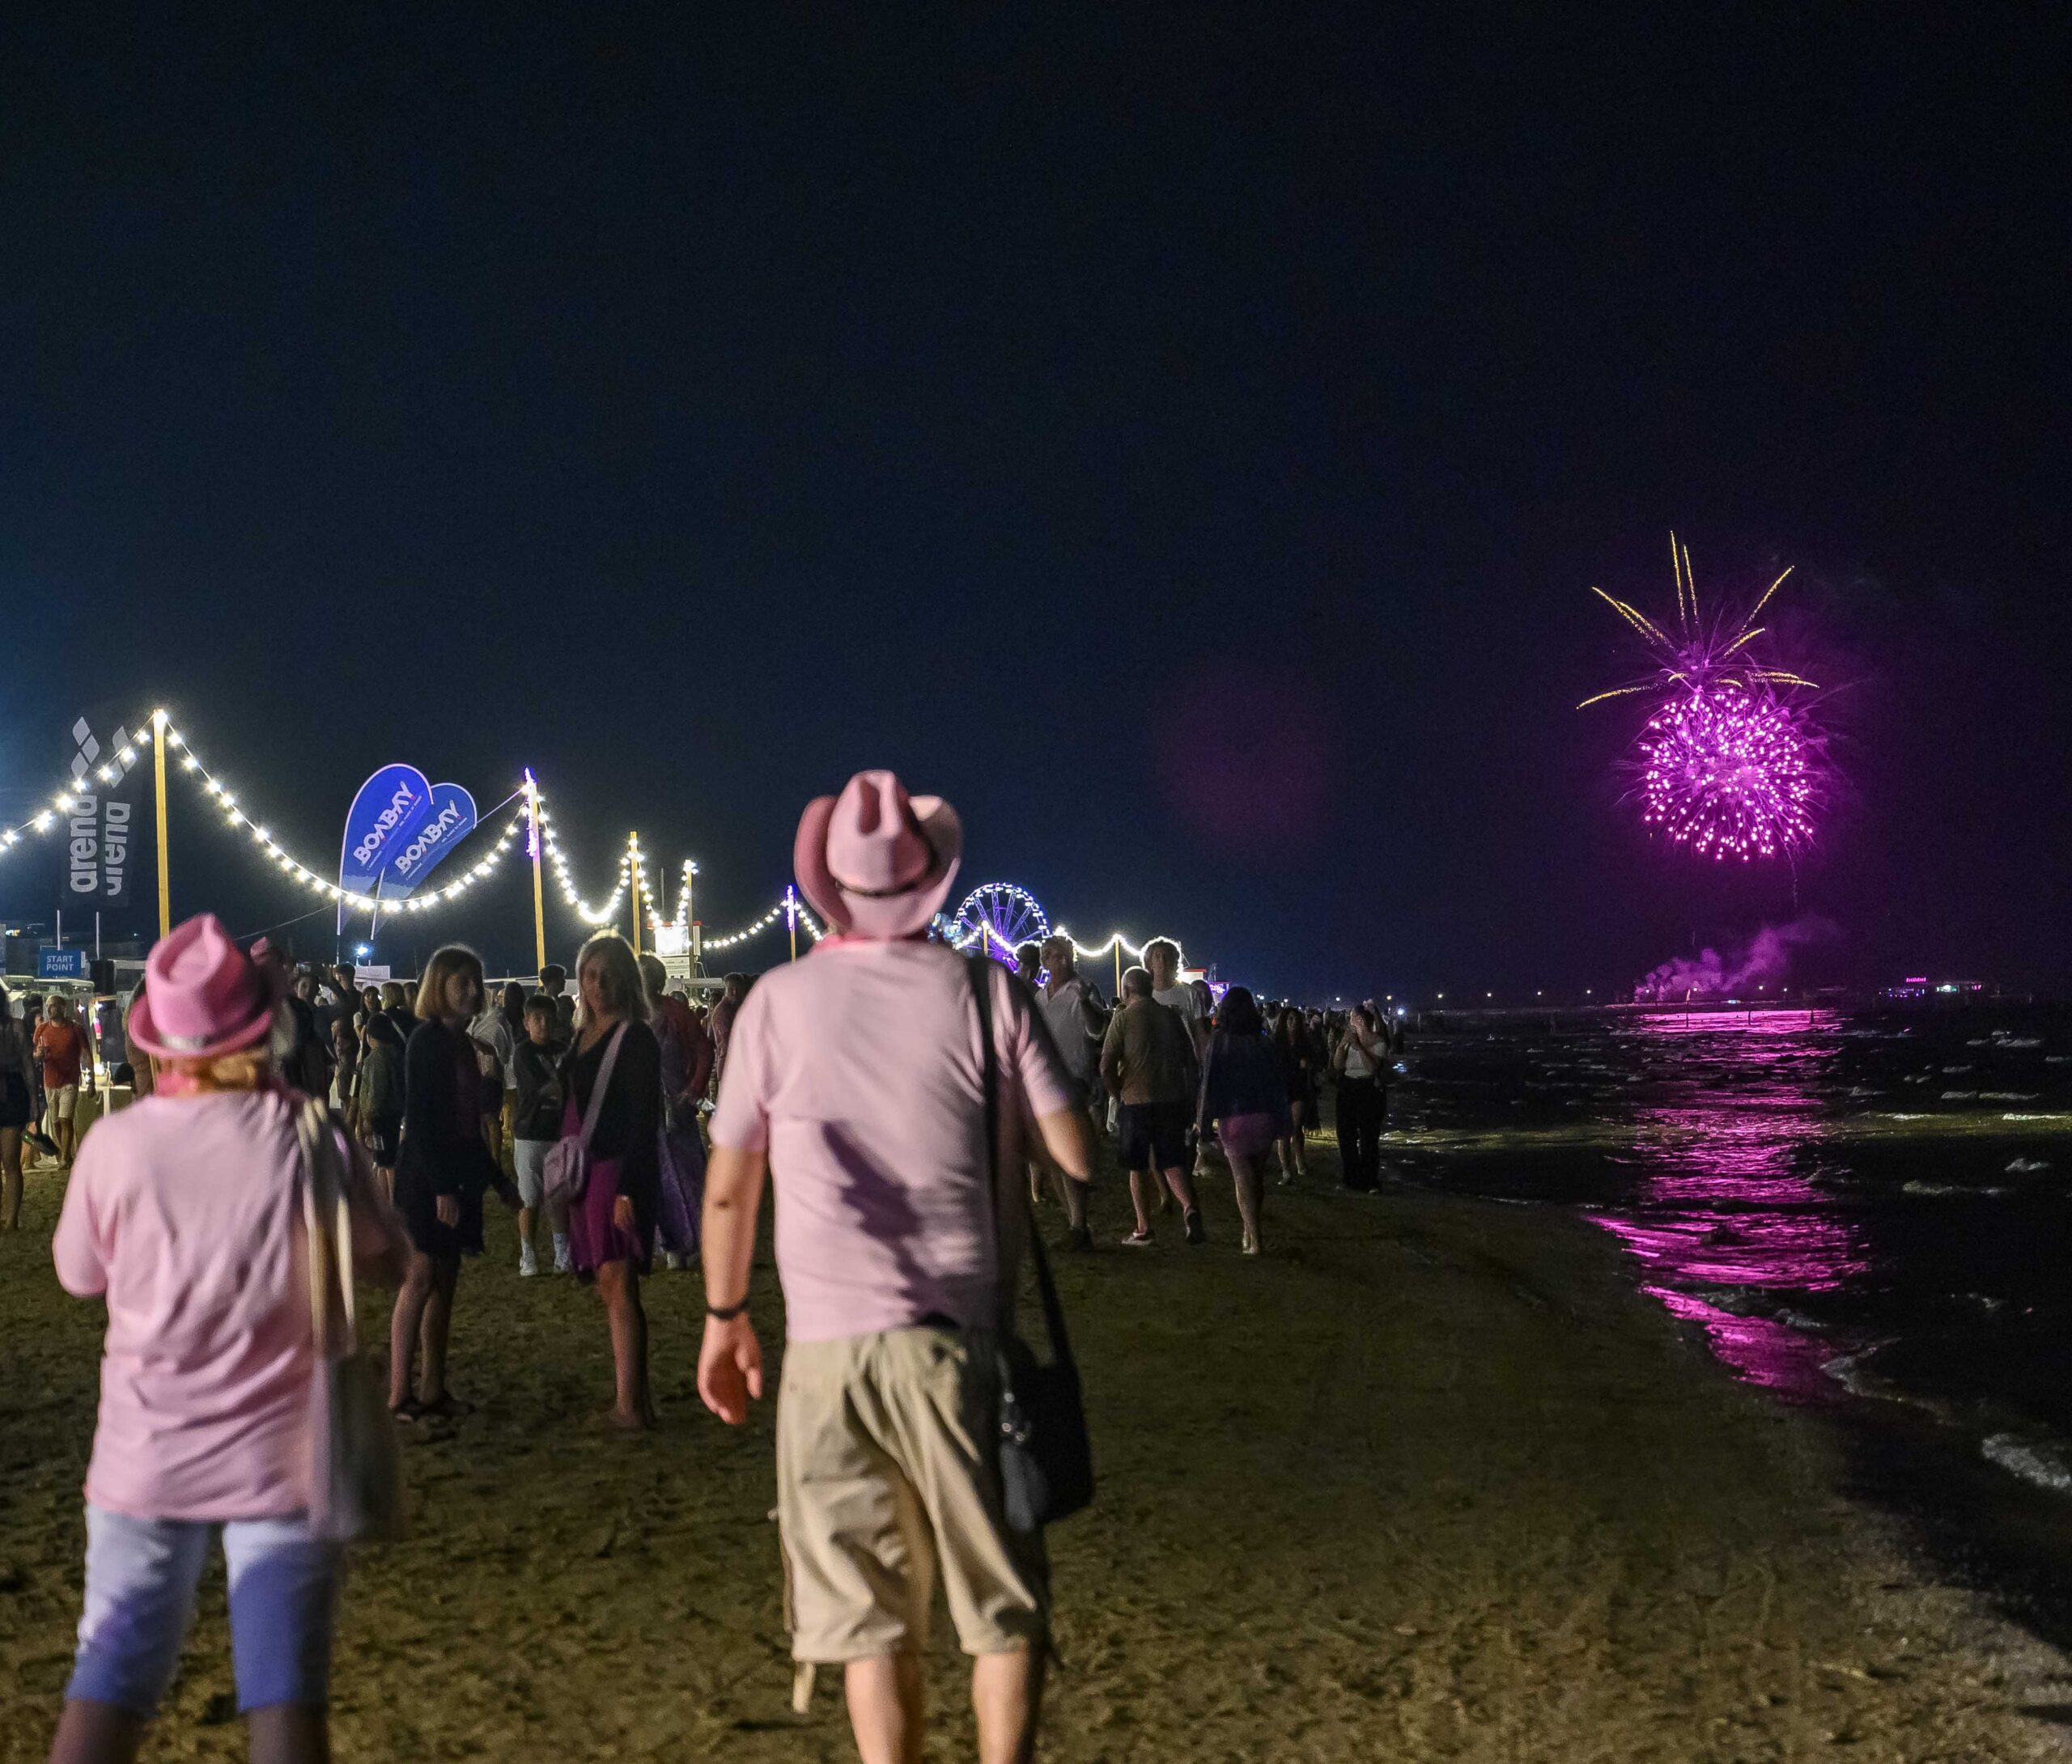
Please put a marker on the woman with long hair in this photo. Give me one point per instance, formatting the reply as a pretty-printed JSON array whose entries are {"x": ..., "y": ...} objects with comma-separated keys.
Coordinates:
[
  {"x": 1296, "y": 1051},
  {"x": 442, "y": 1170},
  {"x": 611, "y": 1225},
  {"x": 185, "y": 1216},
  {"x": 17, "y": 1110},
  {"x": 1244, "y": 1099},
  {"x": 1363, "y": 1050}
]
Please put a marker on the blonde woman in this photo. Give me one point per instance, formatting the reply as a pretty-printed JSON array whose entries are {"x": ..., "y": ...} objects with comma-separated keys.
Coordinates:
[
  {"x": 611, "y": 1227},
  {"x": 185, "y": 1216},
  {"x": 441, "y": 1170}
]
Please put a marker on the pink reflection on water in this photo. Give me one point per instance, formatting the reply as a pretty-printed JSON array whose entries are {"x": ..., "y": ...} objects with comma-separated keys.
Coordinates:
[{"x": 1722, "y": 1204}]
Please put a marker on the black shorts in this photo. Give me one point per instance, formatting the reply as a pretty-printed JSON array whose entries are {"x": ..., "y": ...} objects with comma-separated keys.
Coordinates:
[{"x": 1154, "y": 1135}]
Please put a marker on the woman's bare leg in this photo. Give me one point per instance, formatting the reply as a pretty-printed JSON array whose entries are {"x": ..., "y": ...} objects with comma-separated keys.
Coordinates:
[
  {"x": 619, "y": 1284},
  {"x": 97, "y": 1733},
  {"x": 404, "y": 1323},
  {"x": 1245, "y": 1177},
  {"x": 437, "y": 1328}
]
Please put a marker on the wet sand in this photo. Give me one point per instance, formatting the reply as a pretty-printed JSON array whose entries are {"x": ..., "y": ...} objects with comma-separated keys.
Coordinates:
[{"x": 1430, "y": 1480}]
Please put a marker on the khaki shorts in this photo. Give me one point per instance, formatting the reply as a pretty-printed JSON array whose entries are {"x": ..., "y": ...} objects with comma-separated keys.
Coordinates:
[
  {"x": 887, "y": 1475},
  {"x": 64, "y": 1102}
]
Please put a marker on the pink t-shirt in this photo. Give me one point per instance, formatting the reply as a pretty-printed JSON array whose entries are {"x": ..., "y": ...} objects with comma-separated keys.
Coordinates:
[
  {"x": 186, "y": 1214},
  {"x": 858, "y": 1070}
]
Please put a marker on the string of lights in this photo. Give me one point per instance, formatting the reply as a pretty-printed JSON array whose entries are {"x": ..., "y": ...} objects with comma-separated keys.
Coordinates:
[
  {"x": 225, "y": 800},
  {"x": 550, "y": 844},
  {"x": 630, "y": 862}
]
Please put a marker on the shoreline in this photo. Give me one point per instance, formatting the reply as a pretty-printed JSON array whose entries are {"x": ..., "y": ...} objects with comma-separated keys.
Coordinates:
[{"x": 1432, "y": 1479}]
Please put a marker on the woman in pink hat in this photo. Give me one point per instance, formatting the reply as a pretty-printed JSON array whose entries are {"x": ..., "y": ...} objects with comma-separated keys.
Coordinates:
[{"x": 185, "y": 1213}]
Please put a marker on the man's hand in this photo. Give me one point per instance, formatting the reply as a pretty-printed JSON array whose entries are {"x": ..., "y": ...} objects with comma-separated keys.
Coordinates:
[
  {"x": 447, "y": 1207},
  {"x": 730, "y": 1368}
]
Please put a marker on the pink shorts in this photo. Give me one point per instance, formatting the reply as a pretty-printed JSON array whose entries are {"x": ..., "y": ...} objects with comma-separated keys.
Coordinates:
[{"x": 1245, "y": 1136}]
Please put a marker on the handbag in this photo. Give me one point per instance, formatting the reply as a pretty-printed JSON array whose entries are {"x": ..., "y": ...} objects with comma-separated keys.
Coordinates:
[
  {"x": 355, "y": 1464},
  {"x": 565, "y": 1168},
  {"x": 1046, "y": 1456}
]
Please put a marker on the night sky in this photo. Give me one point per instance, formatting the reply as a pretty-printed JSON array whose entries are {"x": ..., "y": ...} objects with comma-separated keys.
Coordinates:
[{"x": 1185, "y": 440}]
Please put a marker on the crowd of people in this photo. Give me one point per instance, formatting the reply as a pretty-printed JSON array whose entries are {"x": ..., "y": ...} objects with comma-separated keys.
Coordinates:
[{"x": 861, "y": 1075}]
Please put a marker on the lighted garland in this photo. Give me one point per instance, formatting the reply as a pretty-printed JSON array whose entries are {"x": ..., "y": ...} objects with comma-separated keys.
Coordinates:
[{"x": 225, "y": 800}]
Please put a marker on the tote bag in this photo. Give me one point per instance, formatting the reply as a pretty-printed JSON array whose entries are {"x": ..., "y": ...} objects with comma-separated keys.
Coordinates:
[{"x": 355, "y": 1463}]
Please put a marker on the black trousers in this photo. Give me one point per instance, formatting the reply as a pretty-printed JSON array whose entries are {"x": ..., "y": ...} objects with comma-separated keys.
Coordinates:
[{"x": 1362, "y": 1108}]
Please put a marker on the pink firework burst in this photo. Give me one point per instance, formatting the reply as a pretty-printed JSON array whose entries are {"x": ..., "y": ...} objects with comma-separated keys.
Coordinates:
[
  {"x": 1729, "y": 775},
  {"x": 1731, "y": 762}
]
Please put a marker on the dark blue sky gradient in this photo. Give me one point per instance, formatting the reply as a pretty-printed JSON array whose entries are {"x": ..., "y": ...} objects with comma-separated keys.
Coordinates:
[{"x": 1184, "y": 439}]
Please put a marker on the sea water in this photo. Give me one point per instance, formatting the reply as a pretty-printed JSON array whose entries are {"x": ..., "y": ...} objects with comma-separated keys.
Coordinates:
[{"x": 1869, "y": 1211}]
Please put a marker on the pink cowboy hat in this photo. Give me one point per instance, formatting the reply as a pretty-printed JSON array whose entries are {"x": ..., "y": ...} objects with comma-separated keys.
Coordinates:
[
  {"x": 202, "y": 995},
  {"x": 875, "y": 861}
]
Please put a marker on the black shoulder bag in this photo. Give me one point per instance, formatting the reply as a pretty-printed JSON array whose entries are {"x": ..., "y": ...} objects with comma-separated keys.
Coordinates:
[{"x": 1047, "y": 1460}]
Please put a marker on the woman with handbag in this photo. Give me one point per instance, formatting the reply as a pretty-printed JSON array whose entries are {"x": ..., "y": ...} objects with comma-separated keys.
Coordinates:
[
  {"x": 441, "y": 1170},
  {"x": 612, "y": 1082},
  {"x": 187, "y": 1214}
]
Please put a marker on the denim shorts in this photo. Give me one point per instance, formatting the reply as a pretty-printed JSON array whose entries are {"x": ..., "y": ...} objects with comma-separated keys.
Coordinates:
[{"x": 141, "y": 1579}]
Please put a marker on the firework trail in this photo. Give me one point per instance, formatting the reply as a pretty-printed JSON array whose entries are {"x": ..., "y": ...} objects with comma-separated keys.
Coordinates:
[{"x": 1730, "y": 764}]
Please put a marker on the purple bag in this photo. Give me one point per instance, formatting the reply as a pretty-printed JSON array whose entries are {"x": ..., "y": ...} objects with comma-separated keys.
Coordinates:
[{"x": 680, "y": 1154}]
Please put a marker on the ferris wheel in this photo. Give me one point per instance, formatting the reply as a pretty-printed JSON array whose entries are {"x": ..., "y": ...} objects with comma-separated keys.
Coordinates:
[{"x": 1001, "y": 914}]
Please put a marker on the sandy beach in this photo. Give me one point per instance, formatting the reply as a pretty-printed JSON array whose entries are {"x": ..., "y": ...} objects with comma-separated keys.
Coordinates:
[{"x": 1430, "y": 1480}]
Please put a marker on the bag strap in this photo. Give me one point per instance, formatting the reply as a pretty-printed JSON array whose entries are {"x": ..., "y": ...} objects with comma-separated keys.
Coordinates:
[
  {"x": 332, "y": 1245},
  {"x": 980, "y": 967},
  {"x": 604, "y": 1083}
]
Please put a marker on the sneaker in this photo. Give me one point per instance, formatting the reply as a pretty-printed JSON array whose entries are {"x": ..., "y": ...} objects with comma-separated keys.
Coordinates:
[
  {"x": 563, "y": 1263},
  {"x": 1139, "y": 1239},
  {"x": 1081, "y": 1238},
  {"x": 1195, "y": 1234},
  {"x": 528, "y": 1261}
]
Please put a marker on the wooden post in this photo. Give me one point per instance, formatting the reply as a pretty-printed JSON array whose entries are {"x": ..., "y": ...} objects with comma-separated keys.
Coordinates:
[
  {"x": 1118, "y": 967},
  {"x": 539, "y": 904},
  {"x": 633, "y": 867},
  {"x": 158, "y": 775},
  {"x": 792, "y": 913}
]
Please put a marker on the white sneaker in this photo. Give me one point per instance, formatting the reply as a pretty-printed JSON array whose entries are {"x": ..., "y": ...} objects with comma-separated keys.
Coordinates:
[
  {"x": 563, "y": 1263},
  {"x": 528, "y": 1261}
]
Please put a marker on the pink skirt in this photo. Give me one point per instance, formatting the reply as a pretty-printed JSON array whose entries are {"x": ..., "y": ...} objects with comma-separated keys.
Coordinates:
[
  {"x": 1245, "y": 1136},
  {"x": 594, "y": 1237}
]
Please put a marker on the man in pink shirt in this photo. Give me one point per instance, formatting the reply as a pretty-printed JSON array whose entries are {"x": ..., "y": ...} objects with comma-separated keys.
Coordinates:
[{"x": 859, "y": 1073}]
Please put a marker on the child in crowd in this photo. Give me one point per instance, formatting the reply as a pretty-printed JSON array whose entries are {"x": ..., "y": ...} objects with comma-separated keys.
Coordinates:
[{"x": 536, "y": 1063}]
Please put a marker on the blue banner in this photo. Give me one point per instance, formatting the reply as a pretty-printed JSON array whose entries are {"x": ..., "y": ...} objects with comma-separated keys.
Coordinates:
[
  {"x": 398, "y": 828},
  {"x": 449, "y": 819},
  {"x": 387, "y": 809}
]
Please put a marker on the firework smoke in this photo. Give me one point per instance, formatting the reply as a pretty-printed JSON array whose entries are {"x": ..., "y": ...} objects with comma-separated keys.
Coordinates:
[{"x": 1763, "y": 961}]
